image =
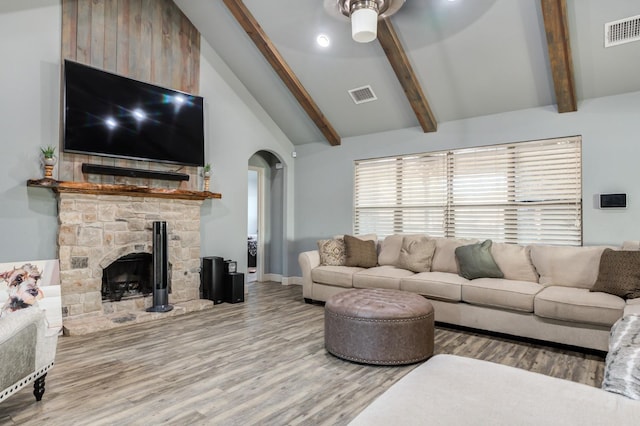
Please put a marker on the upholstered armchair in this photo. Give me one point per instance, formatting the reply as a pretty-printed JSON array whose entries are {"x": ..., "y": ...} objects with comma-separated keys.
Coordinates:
[
  {"x": 30, "y": 322},
  {"x": 27, "y": 351}
]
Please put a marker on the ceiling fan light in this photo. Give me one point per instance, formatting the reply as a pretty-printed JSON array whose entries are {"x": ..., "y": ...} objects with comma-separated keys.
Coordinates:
[{"x": 364, "y": 25}]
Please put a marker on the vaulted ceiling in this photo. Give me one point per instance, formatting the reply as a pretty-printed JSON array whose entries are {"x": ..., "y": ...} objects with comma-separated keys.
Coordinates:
[{"x": 434, "y": 60}]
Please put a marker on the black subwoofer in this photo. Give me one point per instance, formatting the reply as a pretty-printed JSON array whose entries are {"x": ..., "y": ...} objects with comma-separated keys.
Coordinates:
[
  {"x": 234, "y": 287},
  {"x": 212, "y": 279}
]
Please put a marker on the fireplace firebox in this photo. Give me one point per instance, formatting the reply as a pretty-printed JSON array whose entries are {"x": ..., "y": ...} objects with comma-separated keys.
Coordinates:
[{"x": 128, "y": 277}]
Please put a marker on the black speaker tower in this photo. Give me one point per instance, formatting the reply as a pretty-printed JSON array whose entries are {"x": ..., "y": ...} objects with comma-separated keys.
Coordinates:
[
  {"x": 160, "y": 269},
  {"x": 213, "y": 279}
]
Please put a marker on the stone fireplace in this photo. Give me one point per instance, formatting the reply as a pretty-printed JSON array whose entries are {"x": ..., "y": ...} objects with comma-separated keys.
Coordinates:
[{"x": 97, "y": 230}]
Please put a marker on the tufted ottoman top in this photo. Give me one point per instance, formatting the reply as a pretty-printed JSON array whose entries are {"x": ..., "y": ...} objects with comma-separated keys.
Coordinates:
[{"x": 379, "y": 304}]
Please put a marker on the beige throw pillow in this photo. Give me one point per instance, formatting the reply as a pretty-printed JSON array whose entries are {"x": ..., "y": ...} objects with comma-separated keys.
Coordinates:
[
  {"x": 360, "y": 253},
  {"x": 416, "y": 254},
  {"x": 390, "y": 250},
  {"x": 444, "y": 259},
  {"x": 514, "y": 261},
  {"x": 567, "y": 266},
  {"x": 332, "y": 252}
]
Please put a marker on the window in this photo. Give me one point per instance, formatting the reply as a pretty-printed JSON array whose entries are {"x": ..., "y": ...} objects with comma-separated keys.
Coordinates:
[{"x": 528, "y": 192}]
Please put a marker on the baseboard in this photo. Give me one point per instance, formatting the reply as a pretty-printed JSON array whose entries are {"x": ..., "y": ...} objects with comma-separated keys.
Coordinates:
[
  {"x": 272, "y": 277},
  {"x": 292, "y": 281},
  {"x": 283, "y": 280}
]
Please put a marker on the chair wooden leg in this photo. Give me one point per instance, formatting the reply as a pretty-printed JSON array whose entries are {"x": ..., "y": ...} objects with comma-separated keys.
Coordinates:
[{"x": 38, "y": 387}]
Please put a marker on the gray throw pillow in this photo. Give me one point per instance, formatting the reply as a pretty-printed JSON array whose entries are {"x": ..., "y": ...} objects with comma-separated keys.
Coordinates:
[
  {"x": 360, "y": 253},
  {"x": 622, "y": 366},
  {"x": 619, "y": 273},
  {"x": 476, "y": 261},
  {"x": 416, "y": 254}
]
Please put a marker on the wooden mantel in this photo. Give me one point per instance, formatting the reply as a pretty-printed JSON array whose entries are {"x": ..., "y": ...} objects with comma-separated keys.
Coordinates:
[{"x": 126, "y": 190}]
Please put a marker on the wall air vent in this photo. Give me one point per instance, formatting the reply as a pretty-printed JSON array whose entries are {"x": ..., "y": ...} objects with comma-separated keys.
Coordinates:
[
  {"x": 362, "y": 94},
  {"x": 622, "y": 31}
]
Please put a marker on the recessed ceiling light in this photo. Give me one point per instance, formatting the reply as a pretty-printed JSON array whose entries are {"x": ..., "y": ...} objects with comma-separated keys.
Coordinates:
[{"x": 323, "y": 40}]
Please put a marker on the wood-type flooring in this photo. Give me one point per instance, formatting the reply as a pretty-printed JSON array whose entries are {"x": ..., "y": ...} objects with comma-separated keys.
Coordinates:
[{"x": 261, "y": 362}]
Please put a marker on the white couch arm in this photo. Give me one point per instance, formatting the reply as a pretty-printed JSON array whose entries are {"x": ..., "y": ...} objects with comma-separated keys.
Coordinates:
[{"x": 308, "y": 260}]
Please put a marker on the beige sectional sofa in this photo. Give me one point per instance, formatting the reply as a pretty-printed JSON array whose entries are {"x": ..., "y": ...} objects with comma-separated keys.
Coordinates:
[{"x": 544, "y": 293}]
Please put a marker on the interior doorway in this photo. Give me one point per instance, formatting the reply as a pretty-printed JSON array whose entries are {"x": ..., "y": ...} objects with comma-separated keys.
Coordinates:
[{"x": 265, "y": 217}]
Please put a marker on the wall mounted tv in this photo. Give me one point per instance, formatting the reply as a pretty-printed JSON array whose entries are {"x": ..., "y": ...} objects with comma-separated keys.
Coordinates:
[{"x": 111, "y": 115}]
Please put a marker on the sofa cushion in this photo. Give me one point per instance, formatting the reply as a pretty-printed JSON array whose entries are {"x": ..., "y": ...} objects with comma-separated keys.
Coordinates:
[
  {"x": 390, "y": 250},
  {"x": 578, "y": 305},
  {"x": 514, "y": 261},
  {"x": 340, "y": 276},
  {"x": 436, "y": 285},
  {"x": 501, "y": 293},
  {"x": 416, "y": 253},
  {"x": 332, "y": 252},
  {"x": 622, "y": 366},
  {"x": 567, "y": 266},
  {"x": 619, "y": 273},
  {"x": 362, "y": 253},
  {"x": 380, "y": 277},
  {"x": 476, "y": 261},
  {"x": 444, "y": 259}
]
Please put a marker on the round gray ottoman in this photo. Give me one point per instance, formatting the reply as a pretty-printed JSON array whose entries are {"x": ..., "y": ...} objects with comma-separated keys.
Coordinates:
[{"x": 379, "y": 326}]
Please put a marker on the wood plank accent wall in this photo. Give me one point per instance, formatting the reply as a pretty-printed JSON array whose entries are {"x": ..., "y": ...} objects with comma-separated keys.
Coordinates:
[{"x": 148, "y": 40}]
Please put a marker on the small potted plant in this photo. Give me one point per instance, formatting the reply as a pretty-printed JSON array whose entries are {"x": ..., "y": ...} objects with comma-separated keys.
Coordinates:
[
  {"x": 49, "y": 160},
  {"x": 207, "y": 176},
  {"x": 48, "y": 153}
]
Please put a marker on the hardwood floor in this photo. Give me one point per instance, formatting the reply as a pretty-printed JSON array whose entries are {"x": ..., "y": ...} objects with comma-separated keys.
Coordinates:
[{"x": 259, "y": 362}]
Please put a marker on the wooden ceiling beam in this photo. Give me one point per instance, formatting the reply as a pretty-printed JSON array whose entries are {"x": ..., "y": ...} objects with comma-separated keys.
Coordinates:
[
  {"x": 280, "y": 66},
  {"x": 408, "y": 80},
  {"x": 554, "y": 13}
]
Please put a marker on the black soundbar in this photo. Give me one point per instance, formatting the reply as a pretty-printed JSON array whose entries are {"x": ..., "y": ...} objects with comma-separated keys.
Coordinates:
[{"x": 99, "y": 169}]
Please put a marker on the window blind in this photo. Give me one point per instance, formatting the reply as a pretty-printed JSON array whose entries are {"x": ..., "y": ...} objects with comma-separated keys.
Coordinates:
[{"x": 527, "y": 192}]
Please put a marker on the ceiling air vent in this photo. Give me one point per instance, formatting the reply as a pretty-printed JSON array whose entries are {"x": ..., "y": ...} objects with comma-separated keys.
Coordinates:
[
  {"x": 362, "y": 94},
  {"x": 622, "y": 31}
]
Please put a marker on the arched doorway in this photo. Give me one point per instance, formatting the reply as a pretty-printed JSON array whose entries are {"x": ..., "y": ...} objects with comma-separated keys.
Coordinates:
[{"x": 265, "y": 217}]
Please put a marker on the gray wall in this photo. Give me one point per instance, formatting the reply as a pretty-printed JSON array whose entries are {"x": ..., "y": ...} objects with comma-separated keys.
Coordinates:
[
  {"x": 235, "y": 128},
  {"x": 29, "y": 116},
  {"x": 611, "y": 156}
]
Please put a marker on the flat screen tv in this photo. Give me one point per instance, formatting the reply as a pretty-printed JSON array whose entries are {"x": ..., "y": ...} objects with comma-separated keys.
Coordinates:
[{"x": 111, "y": 115}]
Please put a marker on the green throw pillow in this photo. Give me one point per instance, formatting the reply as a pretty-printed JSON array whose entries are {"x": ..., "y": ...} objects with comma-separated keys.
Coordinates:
[
  {"x": 360, "y": 252},
  {"x": 476, "y": 261}
]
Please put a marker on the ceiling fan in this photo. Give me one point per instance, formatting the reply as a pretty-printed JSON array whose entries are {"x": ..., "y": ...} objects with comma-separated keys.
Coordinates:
[{"x": 364, "y": 15}]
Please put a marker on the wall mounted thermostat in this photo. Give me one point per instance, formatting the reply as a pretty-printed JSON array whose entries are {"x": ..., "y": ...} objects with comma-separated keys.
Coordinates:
[{"x": 609, "y": 201}]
